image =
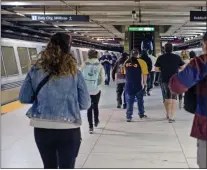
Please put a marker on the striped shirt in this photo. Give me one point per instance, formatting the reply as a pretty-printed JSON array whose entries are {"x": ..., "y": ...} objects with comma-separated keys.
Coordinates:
[{"x": 195, "y": 73}]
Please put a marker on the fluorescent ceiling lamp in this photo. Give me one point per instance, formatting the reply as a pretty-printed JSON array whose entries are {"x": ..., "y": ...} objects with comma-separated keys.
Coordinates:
[
  {"x": 66, "y": 29},
  {"x": 16, "y": 3},
  {"x": 20, "y": 14},
  {"x": 75, "y": 32},
  {"x": 55, "y": 26},
  {"x": 42, "y": 21}
]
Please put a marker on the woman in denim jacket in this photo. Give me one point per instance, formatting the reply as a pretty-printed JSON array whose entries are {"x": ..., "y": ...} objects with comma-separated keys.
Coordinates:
[{"x": 55, "y": 113}]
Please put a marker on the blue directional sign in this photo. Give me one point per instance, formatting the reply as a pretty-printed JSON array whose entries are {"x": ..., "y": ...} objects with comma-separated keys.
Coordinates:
[
  {"x": 198, "y": 16},
  {"x": 75, "y": 18}
]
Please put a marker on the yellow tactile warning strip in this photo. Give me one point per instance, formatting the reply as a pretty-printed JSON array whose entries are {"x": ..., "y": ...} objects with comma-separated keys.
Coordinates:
[{"x": 11, "y": 107}]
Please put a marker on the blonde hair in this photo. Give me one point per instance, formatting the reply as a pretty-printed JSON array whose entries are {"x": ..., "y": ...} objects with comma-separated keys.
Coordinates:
[{"x": 184, "y": 55}]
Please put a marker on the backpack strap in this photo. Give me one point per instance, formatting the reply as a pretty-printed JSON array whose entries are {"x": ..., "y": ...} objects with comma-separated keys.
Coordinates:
[{"x": 39, "y": 87}]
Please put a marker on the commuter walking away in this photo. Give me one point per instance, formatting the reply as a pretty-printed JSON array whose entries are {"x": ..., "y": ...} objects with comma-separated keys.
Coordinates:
[
  {"x": 57, "y": 92},
  {"x": 186, "y": 60},
  {"x": 114, "y": 59},
  {"x": 136, "y": 78},
  {"x": 119, "y": 76},
  {"x": 184, "y": 56},
  {"x": 195, "y": 75},
  {"x": 169, "y": 64},
  {"x": 94, "y": 76},
  {"x": 106, "y": 61},
  {"x": 157, "y": 74},
  {"x": 146, "y": 58},
  {"x": 152, "y": 73}
]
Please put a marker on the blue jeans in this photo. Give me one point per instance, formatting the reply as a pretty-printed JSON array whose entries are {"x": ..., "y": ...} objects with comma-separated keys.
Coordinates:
[{"x": 140, "y": 103}]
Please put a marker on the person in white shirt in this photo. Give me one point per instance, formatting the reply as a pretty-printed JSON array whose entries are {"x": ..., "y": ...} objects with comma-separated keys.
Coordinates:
[{"x": 152, "y": 74}]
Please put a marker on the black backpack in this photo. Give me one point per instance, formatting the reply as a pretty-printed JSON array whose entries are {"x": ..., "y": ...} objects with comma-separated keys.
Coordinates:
[{"x": 190, "y": 100}]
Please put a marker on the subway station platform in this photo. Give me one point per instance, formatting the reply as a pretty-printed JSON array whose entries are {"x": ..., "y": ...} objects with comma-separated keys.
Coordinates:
[{"x": 149, "y": 143}]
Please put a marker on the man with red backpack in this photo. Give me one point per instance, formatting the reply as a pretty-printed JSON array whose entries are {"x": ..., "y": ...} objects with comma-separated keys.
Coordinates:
[
  {"x": 119, "y": 76},
  {"x": 195, "y": 75}
]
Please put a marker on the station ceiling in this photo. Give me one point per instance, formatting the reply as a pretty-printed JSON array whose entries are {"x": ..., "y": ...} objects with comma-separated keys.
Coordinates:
[{"x": 108, "y": 19}]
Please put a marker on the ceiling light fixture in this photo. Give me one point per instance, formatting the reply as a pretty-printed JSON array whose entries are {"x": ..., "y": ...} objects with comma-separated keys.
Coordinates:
[
  {"x": 42, "y": 21},
  {"x": 20, "y": 14},
  {"x": 66, "y": 29},
  {"x": 75, "y": 32},
  {"x": 56, "y": 26}
]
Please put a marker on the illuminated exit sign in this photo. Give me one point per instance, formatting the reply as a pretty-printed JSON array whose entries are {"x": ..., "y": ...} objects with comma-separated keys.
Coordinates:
[{"x": 132, "y": 29}]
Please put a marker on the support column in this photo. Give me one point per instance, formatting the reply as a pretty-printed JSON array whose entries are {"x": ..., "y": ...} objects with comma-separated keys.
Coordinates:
[{"x": 157, "y": 41}]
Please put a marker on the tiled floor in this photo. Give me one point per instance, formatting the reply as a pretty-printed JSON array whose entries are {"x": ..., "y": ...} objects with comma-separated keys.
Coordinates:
[{"x": 150, "y": 143}]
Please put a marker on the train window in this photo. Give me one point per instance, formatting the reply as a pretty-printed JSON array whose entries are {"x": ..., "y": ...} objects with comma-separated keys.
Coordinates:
[
  {"x": 78, "y": 57},
  {"x": 85, "y": 55},
  {"x": 24, "y": 59},
  {"x": 3, "y": 74},
  {"x": 32, "y": 53},
  {"x": 73, "y": 53},
  {"x": 9, "y": 60}
]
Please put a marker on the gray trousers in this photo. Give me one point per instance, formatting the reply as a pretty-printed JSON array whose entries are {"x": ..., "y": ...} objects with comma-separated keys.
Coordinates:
[{"x": 201, "y": 154}]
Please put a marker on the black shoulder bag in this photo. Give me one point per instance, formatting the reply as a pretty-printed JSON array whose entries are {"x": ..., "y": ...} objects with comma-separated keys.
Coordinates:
[
  {"x": 41, "y": 84},
  {"x": 190, "y": 100}
]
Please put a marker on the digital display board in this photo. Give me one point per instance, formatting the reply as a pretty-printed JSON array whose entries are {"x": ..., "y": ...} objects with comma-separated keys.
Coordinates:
[{"x": 141, "y": 29}]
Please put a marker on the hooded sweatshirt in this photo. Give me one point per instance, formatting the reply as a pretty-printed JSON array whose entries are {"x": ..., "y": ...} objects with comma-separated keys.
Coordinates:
[{"x": 101, "y": 73}]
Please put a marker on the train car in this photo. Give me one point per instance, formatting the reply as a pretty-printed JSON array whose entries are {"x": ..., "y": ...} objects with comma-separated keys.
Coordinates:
[
  {"x": 16, "y": 59},
  {"x": 198, "y": 51}
]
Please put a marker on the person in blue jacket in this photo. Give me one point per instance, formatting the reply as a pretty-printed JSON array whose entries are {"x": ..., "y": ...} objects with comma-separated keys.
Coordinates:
[
  {"x": 55, "y": 111},
  {"x": 106, "y": 61}
]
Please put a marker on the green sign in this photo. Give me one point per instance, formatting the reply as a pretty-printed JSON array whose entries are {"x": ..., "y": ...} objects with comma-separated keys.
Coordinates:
[{"x": 150, "y": 29}]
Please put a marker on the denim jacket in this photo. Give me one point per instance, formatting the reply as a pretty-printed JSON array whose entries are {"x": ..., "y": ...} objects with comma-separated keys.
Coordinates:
[{"x": 59, "y": 100}]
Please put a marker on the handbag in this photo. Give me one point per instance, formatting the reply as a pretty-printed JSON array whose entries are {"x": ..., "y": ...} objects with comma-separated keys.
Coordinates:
[
  {"x": 190, "y": 101},
  {"x": 39, "y": 87}
]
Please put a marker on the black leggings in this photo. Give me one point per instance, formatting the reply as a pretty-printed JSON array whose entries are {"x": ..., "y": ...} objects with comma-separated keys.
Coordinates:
[
  {"x": 119, "y": 92},
  {"x": 58, "y": 147},
  {"x": 94, "y": 109}
]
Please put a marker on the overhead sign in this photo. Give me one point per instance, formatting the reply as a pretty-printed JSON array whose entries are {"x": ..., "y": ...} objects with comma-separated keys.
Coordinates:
[
  {"x": 132, "y": 29},
  {"x": 172, "y": 39},
  {"x": 78, "y": 18},
  {"x": 198, "y": 16}
]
